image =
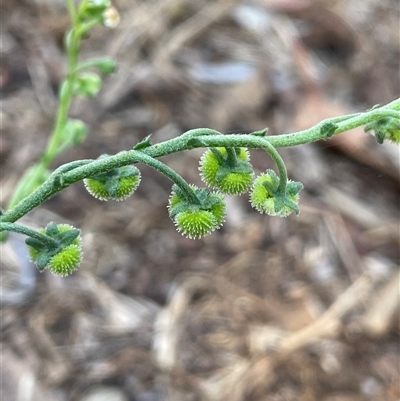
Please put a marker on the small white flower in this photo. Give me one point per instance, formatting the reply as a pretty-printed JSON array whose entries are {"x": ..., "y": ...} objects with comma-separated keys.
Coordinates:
[{"x": 111, "y": 17}]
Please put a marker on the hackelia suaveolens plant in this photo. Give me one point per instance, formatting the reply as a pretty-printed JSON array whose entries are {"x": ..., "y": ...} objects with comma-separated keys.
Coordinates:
[{"x": 225, "y": 166}]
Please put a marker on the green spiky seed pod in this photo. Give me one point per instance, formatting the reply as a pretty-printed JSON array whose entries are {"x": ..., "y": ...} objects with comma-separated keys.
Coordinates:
[
  {"x": 97, "y": 188},
  {"x": 66, "y": 261},
  {"x": 265, "y": 196},
  {"x": 218, "y": 209},
  {"x": 197, "y": 220},
  {"x": 117, "y": 184},
  {"x": 230, "y": 175},
  {"x": 62, "y": 228},
  {"x": 195, "y": 223},
  {"x": 63, "y": 256}
]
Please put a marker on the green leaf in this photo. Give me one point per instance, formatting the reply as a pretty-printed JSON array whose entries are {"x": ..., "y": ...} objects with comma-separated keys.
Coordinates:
[
  {"x": 178, "y": 191},
  {"x": 211, "y": 200},
  {"x": 218, "y": 155},
  {"x": 194, "y": 143},
  {"x": 274, "y": 176},
  {"x": 202, "y": 194},
  {"x": 179, "y": 208},
  {"x": 292, "y": 205},
  {"x": 222, "y": 173},
  {"x": 111, "y": 186},
  {"x": 243, "y": 166},
  {"x": 278, "y": 204},
  {"x": 329, "y": 129},
  {"x": 52, "y": 229},
  {"x": 293, "y": 188},
  {"x": 35, "y": 243},
  {"x": 145, "y": 143},
  {"x": 67, "y": 237},
  {"x": 128, "y": 171},
  {"x": 68, "y": 40},
  {"x": 271, "y": 189},
  {"x": 261, "y": 133},
  {"x": 42, "y": 260},
  {"x": 93, "y": 8}
]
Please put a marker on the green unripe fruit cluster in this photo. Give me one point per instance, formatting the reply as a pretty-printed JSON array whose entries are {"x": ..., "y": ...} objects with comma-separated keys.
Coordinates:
[
  {"x": 197, "y": 220},
  {"x": 117, "y": 184},
  {"x": 229, "y": 171},
  {"x": 66, "y": 261},
  {"x": 64, "y": 257},
  {"x": 265, "y": 196}
]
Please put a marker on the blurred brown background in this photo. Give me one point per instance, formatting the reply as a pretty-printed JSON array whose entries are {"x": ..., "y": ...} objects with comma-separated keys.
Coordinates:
[{"x": 266, "y": 309}]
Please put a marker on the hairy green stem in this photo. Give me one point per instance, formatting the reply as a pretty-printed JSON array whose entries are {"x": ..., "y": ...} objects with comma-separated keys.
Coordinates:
[
  {"x": 88, "y": 64},
  {"x": 171, "y": 174},
  {"x": 201, "y": 137},
  {"x": 17, "y": 228},
  {"x": 314, "y": 134}
]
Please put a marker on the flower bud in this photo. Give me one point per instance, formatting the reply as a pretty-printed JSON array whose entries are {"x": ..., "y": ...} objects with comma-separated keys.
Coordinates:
[
  {"x": 87, "y": 84},
  {"x": 75, "y": 131},
  {"x": 106, "y": 65},
  {"x": 111, "y": 17}
]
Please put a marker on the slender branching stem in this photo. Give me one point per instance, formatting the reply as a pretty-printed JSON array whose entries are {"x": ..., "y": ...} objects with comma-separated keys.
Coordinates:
[
  {"x": 171, "y": 174},
  {"x": 195, "y": 138},
  {"x": 38, "y": 185},
  {"x": 17, "y": 228},
  {"x": 65, "y": 99}
]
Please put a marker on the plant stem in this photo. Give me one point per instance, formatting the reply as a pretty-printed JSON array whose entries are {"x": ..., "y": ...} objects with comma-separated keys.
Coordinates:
[
  {"x": 66, "y": 94},
  {"x": 88, "y": 64},
  {"x": 29, "y": 232},
  {"x": 314, "y": 133},
  {"x": 201, "y": 137},
  {"x": 27, "y": 186},
  {"x": 171, "y": 174},
  {"x": 72, "y": 11}
]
